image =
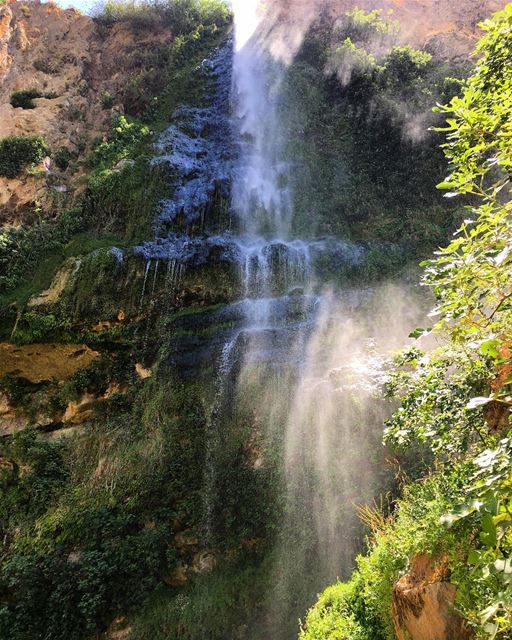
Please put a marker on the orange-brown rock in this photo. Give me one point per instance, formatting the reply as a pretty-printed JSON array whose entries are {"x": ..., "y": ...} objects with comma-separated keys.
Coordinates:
[
  {"x": 142, "y": 372},
  {"x": 80, "y": 410},
  {"x": 423, "y": 604},
  {"x": 10, "y": 420},
  {"x": 44, "y": 362}
]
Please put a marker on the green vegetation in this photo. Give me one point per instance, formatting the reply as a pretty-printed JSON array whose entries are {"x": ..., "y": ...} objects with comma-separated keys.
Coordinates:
[
  {"x": 455, "y": 401},
  {"x": 107, "y": 100},
  {"x": 381, "y": 97},
  {"x": 16, "y": 152},
  {"x": 62, "y": 157},
  {"x": 23, "y": 250},
  {"x": 24, "y": 99},
  {"x": 183, "y": 16}
]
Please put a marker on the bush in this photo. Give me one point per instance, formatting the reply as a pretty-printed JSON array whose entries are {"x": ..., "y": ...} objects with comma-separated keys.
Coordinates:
[
  {"x": 183, "y": 16},
  {"x": 24, "y": 99},
  {"x": 106, "y": 100},
  {"x": 62, "y": 158},
  {"x": 18, "y": 151}
]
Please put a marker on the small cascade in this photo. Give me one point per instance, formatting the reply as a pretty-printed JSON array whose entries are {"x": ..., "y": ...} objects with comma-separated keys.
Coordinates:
[
  {"x": 173, "y": 277},
  {"x": 213, "y": 440},
  {"x": 146, "y": 273},
  {"x": 154, "y": 279},
  {"x": 266, "y": 267}
]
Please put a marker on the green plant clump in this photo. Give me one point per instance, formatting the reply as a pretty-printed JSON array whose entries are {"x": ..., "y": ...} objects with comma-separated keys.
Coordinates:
[
  {"x": 24, "y": 99},
  {"x": 16, "y": 152}
]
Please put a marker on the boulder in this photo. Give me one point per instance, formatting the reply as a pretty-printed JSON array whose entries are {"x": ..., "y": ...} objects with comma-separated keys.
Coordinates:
[
  {"x": 81, "y": 410},
  {"x": 423, "y": 603},
  {"x": 178, "y": 578}
]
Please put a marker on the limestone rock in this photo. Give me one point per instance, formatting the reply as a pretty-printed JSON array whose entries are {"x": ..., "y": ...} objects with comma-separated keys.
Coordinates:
[
  {"x": 142, "y": 372},
  {"x": 44, "y": 362},
  {"x": 204, "y": 562},
  {"x": 423, "y": 604},
  {"x": 118, "y": 630},
  {"x": 81, "y": 410}
]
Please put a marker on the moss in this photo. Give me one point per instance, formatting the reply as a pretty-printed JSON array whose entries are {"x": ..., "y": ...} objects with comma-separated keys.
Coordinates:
[{"x": 215, "y": 606}]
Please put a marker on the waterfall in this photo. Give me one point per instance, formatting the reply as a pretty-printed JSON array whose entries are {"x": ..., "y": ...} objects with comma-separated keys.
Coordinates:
[
  {"x": 260, "y": 197},
  {"x": 318, "y": 355},
  {"x": 304, "y": 362}
]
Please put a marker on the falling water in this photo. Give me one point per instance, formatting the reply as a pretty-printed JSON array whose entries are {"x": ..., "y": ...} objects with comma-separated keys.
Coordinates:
[
  {"x": 320, "y": 366},
  {"x": 146, "y": 272},
  {"x": 306, "y": 361}
]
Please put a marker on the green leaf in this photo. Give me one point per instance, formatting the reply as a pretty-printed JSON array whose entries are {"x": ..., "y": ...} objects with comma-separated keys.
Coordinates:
[
  {"x": 490, "y": 348},
  {"x": 420, "y": 332},
  {"x": 488, "y": 535}
]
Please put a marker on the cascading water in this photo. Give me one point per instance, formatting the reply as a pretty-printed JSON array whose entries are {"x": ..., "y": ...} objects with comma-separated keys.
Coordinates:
[
  {"x": 299, "y": 359},
  {"x": 329, "y": 359},
  {"x": 260, "y": 196}
]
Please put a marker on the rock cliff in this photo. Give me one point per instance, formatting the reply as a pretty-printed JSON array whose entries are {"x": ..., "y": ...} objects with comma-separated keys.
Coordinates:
[{"x": 80, "y": 71}]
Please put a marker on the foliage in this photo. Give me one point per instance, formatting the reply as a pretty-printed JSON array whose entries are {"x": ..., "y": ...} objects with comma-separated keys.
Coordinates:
[
  {"x": 471, "y": 277},
  {"x": 472, "y": 282},
  {"x": 456, "y": 399},
  {"x": 23, "y": 250},
  {"x": 123, "y": 140},
  {"x": 361, "y": 608},
  {"x": 435, "y": 391},
  {"x": 62, "y": 157},
  {"x": 181, "y": 15},
  {"x": 18, "y": 151},
  {"x": 107, "y": 100},
  {"x": 365, "y": 26},
  {"x": 34, "y": 471},
  {"x": 24, "y": 99}
]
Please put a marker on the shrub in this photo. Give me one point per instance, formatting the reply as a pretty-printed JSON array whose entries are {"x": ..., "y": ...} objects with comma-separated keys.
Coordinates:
[
  {"x": 106, "y": 100},
  {"x": 62, "y": 158},
  {"x": 18, "y": 151},
  {"x": 50, "y": 67},
  {"x": 24, "y": 99},
  {"x": 183, "y": 16}
]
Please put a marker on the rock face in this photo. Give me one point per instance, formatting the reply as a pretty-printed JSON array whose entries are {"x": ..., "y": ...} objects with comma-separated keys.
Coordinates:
[
  {"x": 423, "y": 604},
  {"x": 72, "y": 63},
  {"x": 44, "y": 362},
  {"x": 445, "y": 27}
]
